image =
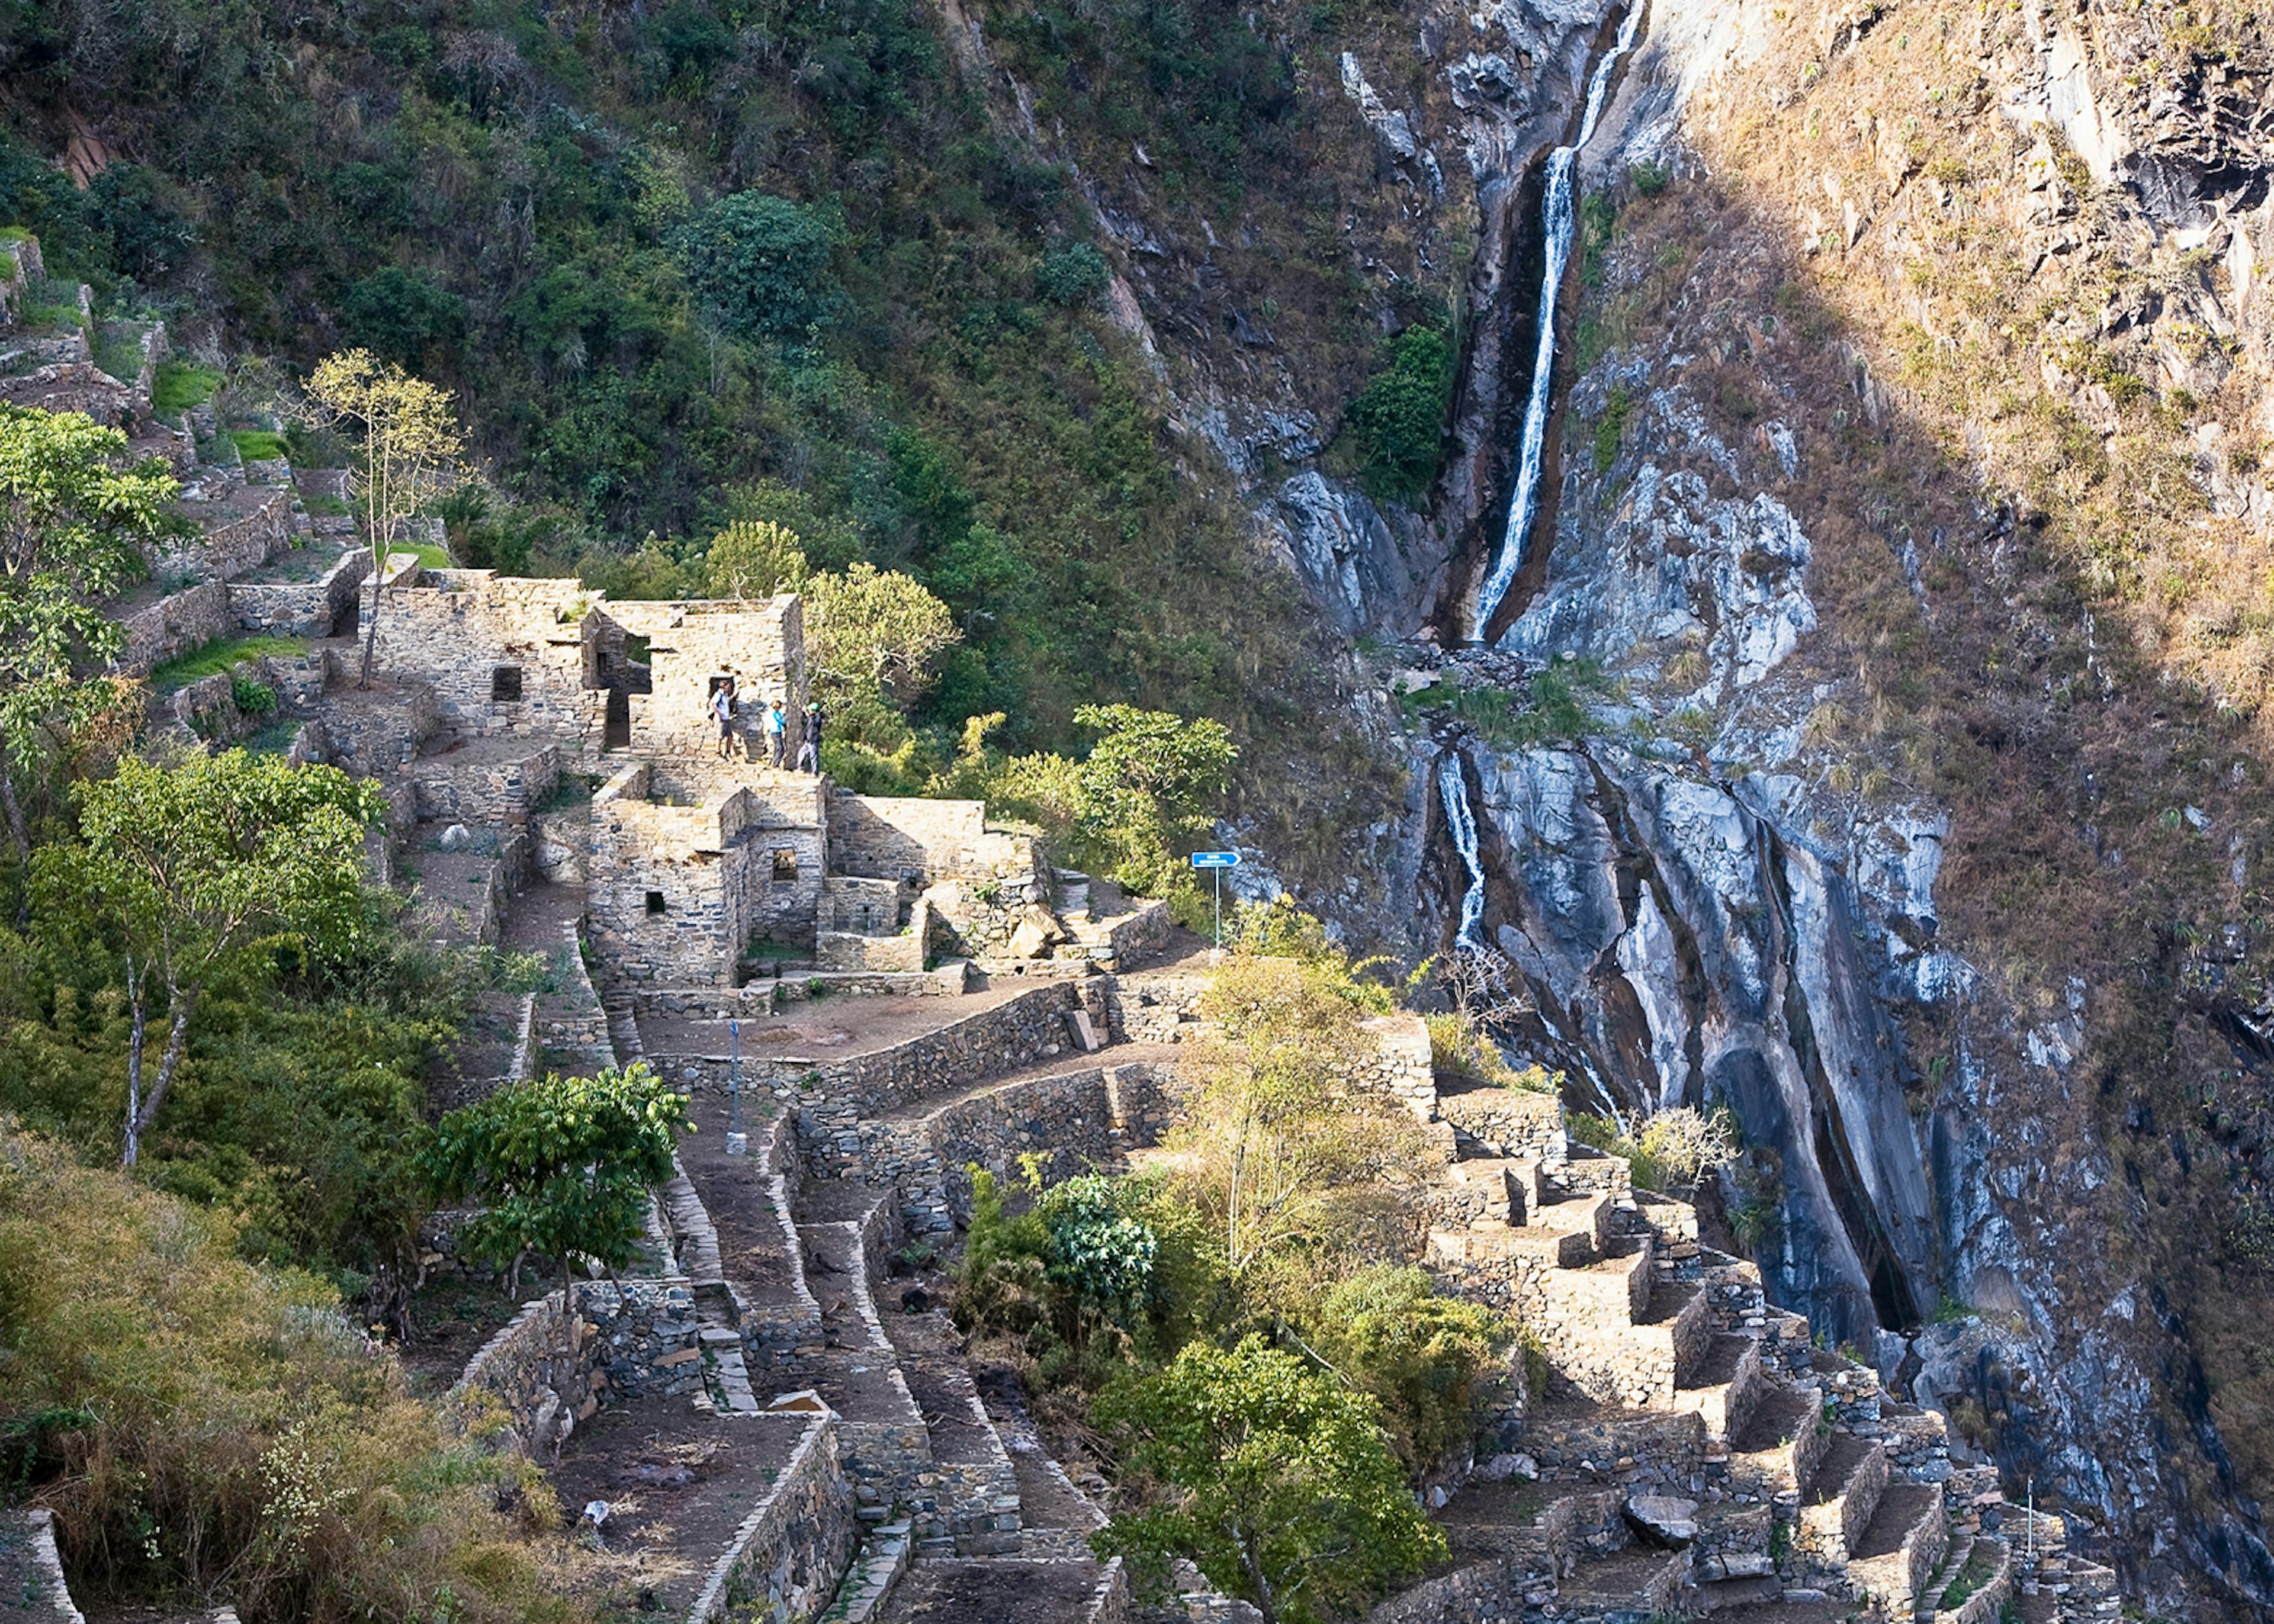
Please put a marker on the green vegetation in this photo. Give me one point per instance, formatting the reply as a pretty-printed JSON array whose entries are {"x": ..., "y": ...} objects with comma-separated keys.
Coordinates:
[
  {"x": 197, "y": 873},
  {"x": 1676, "y": 1148},
  {"x": 1397, "y": 422},
  {"x": 258, "y": 445},
  {"x": 1611, "y": 427},
  {"x": 1552, "y": 708},
  {"x": 219, "y": 656},
  {"x": 73, "y": 517},
  {"x": 304, "y": 1483},
  {"x": 1274, "y": 1482},
  {"x": 561, "y": 1166}
]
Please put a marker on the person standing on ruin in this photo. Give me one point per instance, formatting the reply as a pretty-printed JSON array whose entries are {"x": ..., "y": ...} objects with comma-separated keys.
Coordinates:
[
  {"x": 808, "y": 745},
  {"x": 775, "y": 722},
  {"x": 722, "y": 709}
]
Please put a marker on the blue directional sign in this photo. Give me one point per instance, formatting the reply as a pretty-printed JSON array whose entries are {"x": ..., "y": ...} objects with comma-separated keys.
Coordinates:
[{"x": 1216, "y": 859}]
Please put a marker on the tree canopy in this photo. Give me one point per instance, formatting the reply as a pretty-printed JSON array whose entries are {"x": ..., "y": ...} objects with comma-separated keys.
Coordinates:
[
  {"x": 762, "y": 263},
  {"x": 407, "y": 453},
  {"x": 874, "y": 636},
  {"x": 74, "y": 515},
  {"x": 563, "y": 1165},
  {"x": 194, "y": 871},
  {"x": 1273, "y": 1479}
]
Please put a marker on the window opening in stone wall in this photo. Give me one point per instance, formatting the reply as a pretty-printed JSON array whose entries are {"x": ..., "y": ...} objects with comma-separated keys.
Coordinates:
[
  {"x": 655, "y": 902},
  {"x": 636, "y": 648},
  {"x": 718, "y": 683},
  {"x": 785, "y": 866},
  {"x": 505, "y": 683}
]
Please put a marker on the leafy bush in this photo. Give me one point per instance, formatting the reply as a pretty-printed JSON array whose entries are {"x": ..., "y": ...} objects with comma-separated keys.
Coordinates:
[
  {"x": 1398, "y": 420},
  {"x": 399, "y": 314},
  {"x": 762, "y": 263},
  {"x": 206, "y": 1425},
  {"x": 1073, "y": 276},
  {"x": 1270, "y": 1477},
  {"x": 1101, "y": 1252},
  {"x": 251, "y": 697},
  {"x": 564, "y": 1165},
  {"x": 1420, "y": 1356}
]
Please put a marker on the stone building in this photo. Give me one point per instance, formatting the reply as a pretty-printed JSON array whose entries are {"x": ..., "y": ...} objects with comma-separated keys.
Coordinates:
[{"x": 697, "y": 869}]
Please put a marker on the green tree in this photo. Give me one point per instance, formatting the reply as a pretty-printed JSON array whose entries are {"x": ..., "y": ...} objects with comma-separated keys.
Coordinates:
[
  {"x": 563, "y": 1166},
  {"x": 753, "y": 557},
  {"x": 1420, "y": 1356},
  {"x": 874, "y": 638},
  {"x": 400, "y": 313},
  {"x": 73, "y": 516},
  {"x": 408, "y": 456},
  {"x": 762, "y": 263},
  {"x": 1145, "y": 792},
  {"x": 1274, "y": 1479},
  {"x": 194, "y": 871}
]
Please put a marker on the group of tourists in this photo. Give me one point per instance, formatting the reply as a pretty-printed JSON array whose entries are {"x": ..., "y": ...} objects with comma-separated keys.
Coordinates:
[{"x": 773, "y": 725}]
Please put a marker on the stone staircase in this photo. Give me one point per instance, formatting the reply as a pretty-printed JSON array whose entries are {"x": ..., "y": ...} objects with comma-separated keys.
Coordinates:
[{"x": 1798, "y": 1492}]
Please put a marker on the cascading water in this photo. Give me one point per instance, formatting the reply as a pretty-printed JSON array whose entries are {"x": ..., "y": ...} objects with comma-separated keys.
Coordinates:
[
  {"x": 1453, "y": 787},
  {"x": 1559, "y": 218}
]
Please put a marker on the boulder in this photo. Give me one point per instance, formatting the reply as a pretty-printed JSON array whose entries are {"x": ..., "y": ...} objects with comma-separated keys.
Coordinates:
[
  {"x": 1037, "y": 928},
  {"x": 1663, "y": 1519}
]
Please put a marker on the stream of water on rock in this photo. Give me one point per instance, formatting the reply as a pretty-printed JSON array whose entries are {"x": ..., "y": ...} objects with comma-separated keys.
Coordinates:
[
  {"x": 1453, "y": 786},
  {"x": 1559, "y": 220}
]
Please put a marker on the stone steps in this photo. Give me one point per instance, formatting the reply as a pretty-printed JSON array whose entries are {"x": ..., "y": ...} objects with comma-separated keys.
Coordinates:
[
  {"x": 1631, "y": 1586},
  {"x": 1726, "y": 1385},
  {"x": 1840, "y": 1498},
  {"x": 1899, "y": 1548}
]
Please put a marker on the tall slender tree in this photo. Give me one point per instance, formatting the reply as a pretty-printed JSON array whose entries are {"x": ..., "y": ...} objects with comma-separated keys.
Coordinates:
[
  {"x": 194, "y": 871},
  {"x": 408, "y": 452}
]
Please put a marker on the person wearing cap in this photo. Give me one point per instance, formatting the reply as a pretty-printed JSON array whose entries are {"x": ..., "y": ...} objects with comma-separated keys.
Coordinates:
[{"x": 809, "y": 746}]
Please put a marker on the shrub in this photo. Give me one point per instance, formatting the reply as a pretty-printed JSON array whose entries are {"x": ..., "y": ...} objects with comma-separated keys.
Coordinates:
[
  {"x": 1398, "y": 420},
  {"x": 251, "y": 697},
  {"x": 762, "y": 263},
  {"x": 1420, "y": 1356},
  {"x": 202, "y": 1423},
  {"x": 399, "y": 314},
  {"x": 1073, "y": 276}
]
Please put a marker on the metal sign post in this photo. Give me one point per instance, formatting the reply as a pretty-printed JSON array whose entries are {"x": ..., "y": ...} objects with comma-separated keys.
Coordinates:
[
  {"x": 1216, "y": 863},
  {"x": 738, "y": 1142}
]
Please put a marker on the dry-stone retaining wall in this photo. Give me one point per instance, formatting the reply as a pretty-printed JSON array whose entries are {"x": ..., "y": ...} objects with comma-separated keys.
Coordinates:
[
  {"x": 784, "y": 1562},
  {"x": 174, "y": 625},
  {"x": 549, "y": 1368},
  {"x": 1511, "y": 1122},
  {"x": 835, "y": 1099},
  {"x": 301, "y": 608}
]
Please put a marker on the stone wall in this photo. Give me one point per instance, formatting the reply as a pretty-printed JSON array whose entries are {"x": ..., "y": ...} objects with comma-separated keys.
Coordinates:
[
  {"x": 1509, "y": 1122},
  {"x": 1162, "y": 1008},
  {"x": 174, "y": 625},
  {"x": 549, "y": 1368},
  {"x": 759, "y": 645},
  {"x": 1073, "y": 1122},
  {"x": 836, "y": 1098},
  {"x": 793, "y": 1316},
  {"x": 906, "y": 837},
  {"x": 690, "y": 860},
  {"x": 302, "y": 608},
  {"x": 784, "y": 1562},
  {"x": 254, "y": 526},
  {"x": 502, "y": 654},
  {"x": 487, "y": 792},
  {"x": 1400, "y": 1065}
]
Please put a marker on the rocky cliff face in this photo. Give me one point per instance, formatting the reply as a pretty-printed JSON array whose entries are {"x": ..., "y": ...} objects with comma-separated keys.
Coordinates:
[{"x": 1870, "y": 744}]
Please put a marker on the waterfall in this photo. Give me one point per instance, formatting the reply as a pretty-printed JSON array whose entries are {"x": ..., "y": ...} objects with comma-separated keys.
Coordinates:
[
  {"x": 1559, "y": 219},
  {"x": 1453, "y": 787}
]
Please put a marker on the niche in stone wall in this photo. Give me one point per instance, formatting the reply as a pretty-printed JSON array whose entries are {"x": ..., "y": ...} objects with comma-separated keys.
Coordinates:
[
  {"x": 655, "y": 903},
  {"x": 505, "y": 683}
]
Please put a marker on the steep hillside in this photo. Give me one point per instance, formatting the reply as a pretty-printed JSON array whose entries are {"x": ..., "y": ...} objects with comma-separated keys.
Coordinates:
[{"x": 1872, "y": 736}]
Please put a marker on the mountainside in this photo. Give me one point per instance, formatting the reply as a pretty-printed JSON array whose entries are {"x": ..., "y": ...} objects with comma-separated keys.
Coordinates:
[{"x": 1868, "y": 731}]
